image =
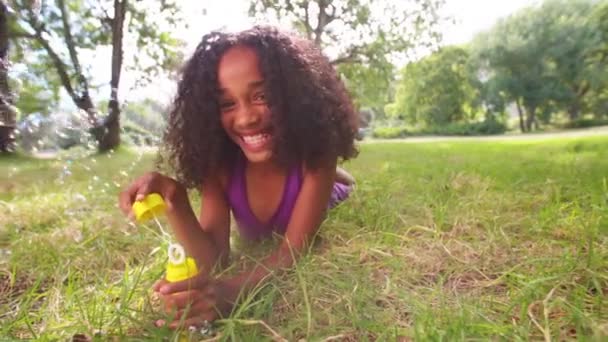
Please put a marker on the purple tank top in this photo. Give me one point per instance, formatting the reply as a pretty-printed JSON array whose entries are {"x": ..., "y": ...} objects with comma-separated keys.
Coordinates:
[{"x": 248, "y": 224}]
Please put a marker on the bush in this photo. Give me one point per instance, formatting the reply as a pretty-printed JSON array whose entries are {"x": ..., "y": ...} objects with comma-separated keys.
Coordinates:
[
  {"x": 487, "y": 127},
  {"x": 390, "y": 132},
  {"x": 134, "y": 134},
  {"x": 584, "y": 123}
]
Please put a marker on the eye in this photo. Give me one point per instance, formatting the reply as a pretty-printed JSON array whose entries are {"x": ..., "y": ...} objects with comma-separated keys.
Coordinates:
[
  {"x": 259, "y": 97},
  {"x": 226, "y": 104}
]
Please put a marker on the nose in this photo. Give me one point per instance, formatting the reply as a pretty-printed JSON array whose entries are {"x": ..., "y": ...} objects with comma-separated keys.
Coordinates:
[{"x": 247, "y": 117}]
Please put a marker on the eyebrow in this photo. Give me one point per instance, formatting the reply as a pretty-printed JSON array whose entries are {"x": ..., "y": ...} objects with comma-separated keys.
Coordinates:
[{"x": 254, "y": 84}]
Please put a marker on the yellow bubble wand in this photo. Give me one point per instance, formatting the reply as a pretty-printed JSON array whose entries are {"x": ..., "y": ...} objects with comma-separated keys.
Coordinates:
[{"x": 179, "y": 267}]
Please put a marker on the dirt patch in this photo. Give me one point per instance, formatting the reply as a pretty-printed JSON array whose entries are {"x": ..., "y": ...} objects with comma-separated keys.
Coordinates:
[{"x": 11, "y": 289}]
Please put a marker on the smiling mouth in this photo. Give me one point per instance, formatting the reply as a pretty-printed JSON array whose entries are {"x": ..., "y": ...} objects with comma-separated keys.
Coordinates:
[{"x": 255, "y": 141}]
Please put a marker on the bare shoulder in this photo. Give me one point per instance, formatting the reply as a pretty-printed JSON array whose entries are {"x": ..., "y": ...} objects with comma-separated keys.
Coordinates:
[
  {"x": 218, "y": 181},
  {"x": 325, "y": 170},
  {"x": 342, "y": 176},
  {"x": 339, "y": 174}
]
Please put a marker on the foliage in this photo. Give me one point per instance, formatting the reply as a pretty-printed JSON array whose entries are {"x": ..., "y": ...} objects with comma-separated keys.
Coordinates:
[
  {"x": 585, "y": 123},
  {"x": 147, "y": 114},
  {"x": 31, "y": 94},
  {"x": 146, "y": 32},
  {"x": 363, "y": 37},
  {"x": 52, "y": 42},
  {"x": 572, "y": 38},
  {"x": 486, "y": 127},
  {"x": 436, "y": 90},
  {"x": 369, "y": 86},
  {"x": 391, "y": 132},
  {"x": 541, "y": 59},
  {"x": 600, "y": 19}
]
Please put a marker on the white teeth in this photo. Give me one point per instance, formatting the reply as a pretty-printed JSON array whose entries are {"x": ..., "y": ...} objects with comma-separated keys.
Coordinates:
[{"x": 257, "y": 139}]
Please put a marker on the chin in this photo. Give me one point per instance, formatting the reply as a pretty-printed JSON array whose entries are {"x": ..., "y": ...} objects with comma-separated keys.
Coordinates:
[{"x": 258, "y": 157}]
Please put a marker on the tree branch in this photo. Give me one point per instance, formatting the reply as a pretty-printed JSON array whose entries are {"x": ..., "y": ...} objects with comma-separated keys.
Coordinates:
[
  {"x": 83, "y": 98},
  {"x": 120, "y": 8},
  {"x": 352, "y": 56},
  {"x": 331, "y": 17},
  {"x": 23, "y": 35},
  {"x": 324, "y": 19},
  {"x": 106, "y": 19},
  {"x": 57, "y": 62},
  {"x": 69, "y": 40},
  {"x": 307, "y": 20},
  {"x": 582, "y": 90},
  {"x": 321, "y": 22},
  {"x": 59, "y": 65}
]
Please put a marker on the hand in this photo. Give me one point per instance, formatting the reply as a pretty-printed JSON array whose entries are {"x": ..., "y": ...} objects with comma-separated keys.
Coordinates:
[
  {"x": 171, "y": 191},
  {"x": 196, "y": 300}
]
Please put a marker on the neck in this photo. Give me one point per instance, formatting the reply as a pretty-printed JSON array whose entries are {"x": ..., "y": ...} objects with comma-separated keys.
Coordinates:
[{"x": 266, "y": 167}]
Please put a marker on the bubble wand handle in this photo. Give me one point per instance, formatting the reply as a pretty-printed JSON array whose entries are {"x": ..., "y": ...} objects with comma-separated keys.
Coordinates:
[{"x": 179, "y": 267}]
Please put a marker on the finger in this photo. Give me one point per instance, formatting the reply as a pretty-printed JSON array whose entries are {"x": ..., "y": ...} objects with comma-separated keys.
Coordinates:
[
  {"x": 197, "y": 282},
  {"x": 199, "y": 321},
  {"x": 125, "y": 200},
  {"x": 143, "y": 190},
  {"x": 145, "y": 186},
  {"x": 127, "y": 197},
  {"x": 197, "y": 309},
  {"x": 158, "y": 284},
  {"x": 181, "y": 300},
  {"x": 168, "y": 195}
]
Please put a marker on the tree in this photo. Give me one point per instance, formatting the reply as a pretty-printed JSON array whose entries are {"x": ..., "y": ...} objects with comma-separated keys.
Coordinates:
[
  {"x": 362, "y": 37},
  {"x": 7, "y": 110},
  {"x": 436, "y": 90},
  {"x": 539, "y": 59},
  {"x": 513, "y": 54},
  {"x": 57, "y": 39},
  {"x": 33, "y": 93},
  {"x": 597, "y": 99},
  {"x": 572, "y": 38},
  {"x": 600, "y": 19}
]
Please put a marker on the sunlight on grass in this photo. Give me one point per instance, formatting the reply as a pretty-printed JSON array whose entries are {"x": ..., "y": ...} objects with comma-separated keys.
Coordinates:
[{"x": 440, "y": 241}]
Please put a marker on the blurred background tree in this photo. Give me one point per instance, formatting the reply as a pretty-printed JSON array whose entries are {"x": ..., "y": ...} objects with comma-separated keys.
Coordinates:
[
  {"x": 364, "y": 38},
  {"x": 53, "y": 39},
  {"x": 544, "y": 60},
  {"x": 436, "y": 90},
  {"x": 542, "y": 67},
  {"x": 8, "y": 113}
]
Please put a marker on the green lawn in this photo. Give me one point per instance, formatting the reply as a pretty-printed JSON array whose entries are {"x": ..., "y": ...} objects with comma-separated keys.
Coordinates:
[{"x": 441, "y": 241}]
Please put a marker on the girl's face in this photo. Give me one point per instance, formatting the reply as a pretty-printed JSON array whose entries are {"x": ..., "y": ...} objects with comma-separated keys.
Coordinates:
[{"x": 244, "y": 112}]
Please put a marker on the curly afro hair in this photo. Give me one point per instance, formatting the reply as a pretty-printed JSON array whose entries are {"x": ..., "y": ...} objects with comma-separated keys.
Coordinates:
[{"x": 311, "y": 112}]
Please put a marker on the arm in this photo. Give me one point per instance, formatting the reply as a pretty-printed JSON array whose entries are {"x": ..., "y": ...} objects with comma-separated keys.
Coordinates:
[
  {"x": 305, "y": 220},
  {"x": 208, "y": 298},
  {"x": 344, "y": 177},
  {"x": 199, "y": 238},
  {"x": 205, "y": 239},
  {"x": 214, "y": 218}
]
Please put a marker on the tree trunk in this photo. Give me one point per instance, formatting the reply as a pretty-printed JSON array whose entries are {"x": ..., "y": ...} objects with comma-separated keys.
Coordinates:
[
  {"x": 8, "y": 115},
  {"x": 531, "y": 117},
  {"x": 109, "y": 132},
  {"x": 521, "y": 116},
  {"x": 574, "y": 110},
  {"x": 111, "y": 126}
]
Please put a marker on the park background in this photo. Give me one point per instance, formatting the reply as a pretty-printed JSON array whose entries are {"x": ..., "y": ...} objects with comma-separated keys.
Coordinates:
[{"x": 481, "y": 205}]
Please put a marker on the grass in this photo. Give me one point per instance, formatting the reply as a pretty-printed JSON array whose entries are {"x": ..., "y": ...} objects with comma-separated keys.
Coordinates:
[{"x": 441, "y": 241}]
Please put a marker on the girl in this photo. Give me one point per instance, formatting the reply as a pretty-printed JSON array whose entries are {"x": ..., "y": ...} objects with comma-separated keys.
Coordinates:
[{"x": 258, "y": 124}]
